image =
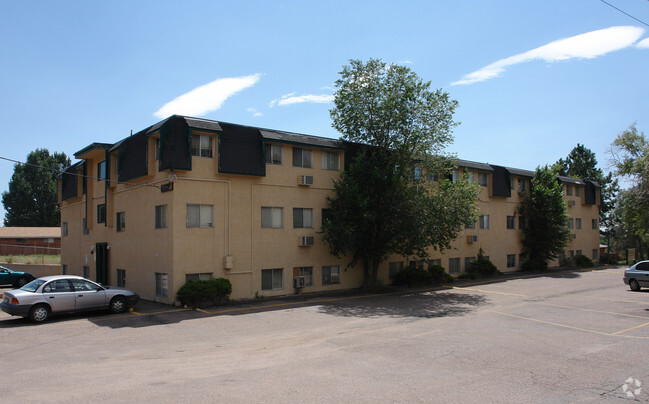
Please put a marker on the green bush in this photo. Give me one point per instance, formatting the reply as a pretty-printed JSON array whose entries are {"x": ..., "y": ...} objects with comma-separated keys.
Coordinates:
[
  {"x": 212, "y": 291},
  {"x": 609, "y": 258},
  {"x": 534, "y": 265},
  {"x": 413, "y": 276},
  {"x": 482, "y": 267},
  {"x": 583, "y": 261},
  {"x": 439, "y": 275}
]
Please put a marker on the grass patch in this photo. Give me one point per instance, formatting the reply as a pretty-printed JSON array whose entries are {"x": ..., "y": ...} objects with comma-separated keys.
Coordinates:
[{"x": 31, "y": 259}]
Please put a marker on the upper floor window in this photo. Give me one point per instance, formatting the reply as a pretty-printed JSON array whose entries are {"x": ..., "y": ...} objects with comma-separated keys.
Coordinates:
[
  {"x": 302, "y": 218},
  {"x": 202, "y": 145},
  {"x": 101, "y": 213},
  {"x": 199, "y": 215},
  {"x": 161, "y": 216},
  {"x": 484, "y": 221},
  {"x": 417, "y": 173},
  {"x": 483, "y": 179},
  {"x": 330, "y": 161},
  {"x": 272, "y": 218},
  {"x": 101, "y": 171},
  {"x": 511, "y": 220},
  {"x": 456, "y": 176},
  {"x": 578, "y": 223},
  {"x": 156, "y": 152},
  {"x": 522, "y": 185},
  {"x": 595, "y": 224},
  {"x": 577, "y": 190},
  {"x": 568, "y": 189},
  {"x": 302, "y": 158},
  {"x": 120, "y": 221},
  {"x": 273, "y": 154}
]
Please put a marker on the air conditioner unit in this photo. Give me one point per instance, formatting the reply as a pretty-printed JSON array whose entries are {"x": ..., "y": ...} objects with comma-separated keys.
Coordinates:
[
  {"x": 571, "y": 203},
  {"x": 306, "y": 241},
  {"x": 305, "y": 180},
  {"x": 472, "y": 239},
  {"x": 299, "y": 282}
]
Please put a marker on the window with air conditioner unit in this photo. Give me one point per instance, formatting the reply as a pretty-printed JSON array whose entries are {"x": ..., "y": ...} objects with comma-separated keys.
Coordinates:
[
  {"x": 472, "y": 238},
  {"x": 306, "y": 241},
  {"x": 305, "y": 180}
]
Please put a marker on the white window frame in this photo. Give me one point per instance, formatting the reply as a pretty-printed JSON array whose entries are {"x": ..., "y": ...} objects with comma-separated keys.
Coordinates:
[
  {"x": 273, "y": 151},
  {"x": 330, "y": 161},
  {"x": 204, "y": 214},
  {"x": 276, "y": 216},
  {"x": 511, "y": 220},
  {"x": 578, "y": 223},
  {"x": 484, "y": 222},
  {"x": 120, "y": 221},
  {"x": 331, "y": 275},
  {"x": 120, "y": 278},
  {"x": 201, "y": 149},
  {"x": 483, "y": 179},
  {"x": 161, "y": 284},
  {"x": 454, "y": 266},
  {"x": 200, "y": 276},
  {"x": 276, "y": 278},
  {"x": 307, "y": 273},
  {"x": 302, "y": 218},
  {"x": 160, "y": 217}
]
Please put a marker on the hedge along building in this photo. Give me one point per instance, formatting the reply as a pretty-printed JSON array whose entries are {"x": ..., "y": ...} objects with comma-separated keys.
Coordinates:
[{"x": 190, "y": 198}]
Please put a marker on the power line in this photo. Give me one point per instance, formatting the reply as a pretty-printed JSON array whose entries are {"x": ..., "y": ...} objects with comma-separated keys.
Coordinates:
[
  {"x": 625, "y": 13},
  {"x": 57, "y": 171}
]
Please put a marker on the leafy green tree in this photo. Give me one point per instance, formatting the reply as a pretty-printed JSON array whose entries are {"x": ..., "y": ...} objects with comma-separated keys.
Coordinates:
[
  {"x": 31, "y": 199},
  {"x": 381, "y": 205},
  {"x": 545, "y": 234},
  {"x": 630, "y": 154}
]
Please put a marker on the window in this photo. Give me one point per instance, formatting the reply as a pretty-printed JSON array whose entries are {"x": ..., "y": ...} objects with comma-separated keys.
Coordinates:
[
  {"x": 86, "y": 271},
  {"x": 595, "y": 253},
  {"x": 432, "y": 176},
  {"x": 577, "y": 190},
  {"x": 483, "y": 179},
  {"x": 470, "y": 225},
  {"x": 101, "y": 213},
  {"x": 394, "y": 268},
  {"x": 571, "y": 223},
  {"x": 470, "y": 177},
  {"x": 200, "y": 215},
  {"x": 568, "y": 189},
  {"x": 307, "y": 273},
  {"x": 454, "y": 266},
  {"x": 522, "y": 185},
  {"x": 101, "y": 171},
  {"x": 578, "y": 252},
  {"x": 156, "y": 151},
  {"x": 436, "y": 262},
  {"x": 202, "y": 146},
  {"x": 161, "y": 285},
  {"x": 467, "y": 263},
  {"x": 455, "y": 176},
  {"x": 417, "y": 173},
  {"x": 84, "y": 226},
  {"x": 64, "y": 229},
  {"x": 272, "y": 218},
  {"x": 21, "y": 240},
  {"x": 578, "y": 223},
  {"x": 120, "y": 221},
  {"x": 302, "y": 158},
  {"x": 484, "y": 221},
  {"x": 273, "y": 154},
  {"x": 58, "y": 286},
  {"x": 331, "y": 275},
  {"x": 511, "y": 222},
  {"x": 302, "y": 218},
  {"x": 272, "y": 279},
  {"x": 121, "y": 278},
  {"x": 572, "y": 253},
  {"x": 511, "y": 260},
  {"x": 205, "y": 276},
  {"x": 330, "y": 161},
  {"x": 161, "y": 217}
]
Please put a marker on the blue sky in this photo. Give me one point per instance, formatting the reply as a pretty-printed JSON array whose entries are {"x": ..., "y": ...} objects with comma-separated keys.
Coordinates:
[{"x": 532, "y": 79}]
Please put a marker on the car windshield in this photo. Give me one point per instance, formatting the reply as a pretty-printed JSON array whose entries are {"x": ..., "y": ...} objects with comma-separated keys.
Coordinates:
[{"x": 33, "y": 285}]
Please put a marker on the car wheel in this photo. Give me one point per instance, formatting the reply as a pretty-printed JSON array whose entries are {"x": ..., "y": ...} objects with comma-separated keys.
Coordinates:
[
  {"x": 118, "y": 305},
  {"x": 634, "y": 285},
  {"x": 39, "y": 313},
  {"x": 20, "y": 283}
]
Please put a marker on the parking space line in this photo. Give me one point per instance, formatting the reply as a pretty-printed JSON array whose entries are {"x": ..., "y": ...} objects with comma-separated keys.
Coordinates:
[
  {"x": 593, "y": 310},
  {"x": 616, "y": 300},
  {"x": 485, "y": 291},
  {"x": 551, "y": 323},
  {"x": 630, "y": 329},
  {"x": 158, "y": 312}
]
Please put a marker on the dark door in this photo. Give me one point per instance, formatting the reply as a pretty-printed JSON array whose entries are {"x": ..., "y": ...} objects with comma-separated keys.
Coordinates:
[{"x": 101, "y": 262}]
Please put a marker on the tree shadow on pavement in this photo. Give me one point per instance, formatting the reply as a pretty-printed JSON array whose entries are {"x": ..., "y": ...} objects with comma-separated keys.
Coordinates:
[{"x": 422, "y": 305}]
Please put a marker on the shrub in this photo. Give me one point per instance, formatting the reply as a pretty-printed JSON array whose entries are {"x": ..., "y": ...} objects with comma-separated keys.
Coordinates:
[
  {"x": 534, "y": 265},
  {"x": 483, "y": 267},
  {"x": 413, "y": 276},
  {"x": 212, "y": 291},
  {"x": 439, "y": 275},
  {"x": 583, "y": 261},
  {"x": 609, "y": 259}
]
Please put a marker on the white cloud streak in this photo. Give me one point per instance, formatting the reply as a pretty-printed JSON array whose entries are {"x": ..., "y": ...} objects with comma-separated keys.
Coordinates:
[
  {"x": 644, "y": 44},
  {"x": 289, "y": 99},
  {"x": 208, "y": 97},
  {"x": 584, "y": 46},
  {"x": 254, "y": 112}
]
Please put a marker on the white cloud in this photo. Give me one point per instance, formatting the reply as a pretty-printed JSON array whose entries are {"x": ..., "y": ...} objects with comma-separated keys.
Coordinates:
[
  {"x": 644, "y": 44},
  {"x": 254, "y": 112},
  {"x": 208, "y": 97},
  {"x": 584, "y": 46},
  {"x": 289, "y": 99}
]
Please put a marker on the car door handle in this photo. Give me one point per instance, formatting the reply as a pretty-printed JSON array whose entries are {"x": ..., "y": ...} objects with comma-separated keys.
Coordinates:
[
  {"x": 51, "y": 297},
  {"x": 80, "y": 296}
]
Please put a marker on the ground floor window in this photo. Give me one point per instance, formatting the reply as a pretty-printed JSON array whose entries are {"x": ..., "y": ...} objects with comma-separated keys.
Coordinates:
[
  {"x": 454, "y": 266},
  {"x": 511, "y": 260},
  {"x": 394, "y": 268},
  {"x": 331, "y": 275},
  {"x": 205, "y": 276},
  {"x": 467, "y": 263},
  {"x": 306, "y": 272},
  {"x": 432, "y": 263},
  {"x": 121, "y": 278},
  {"x": 272, "y": 279},
  {"x": 161, "y": 284}
]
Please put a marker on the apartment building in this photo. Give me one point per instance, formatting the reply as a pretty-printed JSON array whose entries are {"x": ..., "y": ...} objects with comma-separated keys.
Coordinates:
[{"x": 190, "y": 198}]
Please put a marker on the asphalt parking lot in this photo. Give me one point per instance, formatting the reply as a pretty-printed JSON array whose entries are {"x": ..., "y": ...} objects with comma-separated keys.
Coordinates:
[{"x": 572, "y": 336}]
